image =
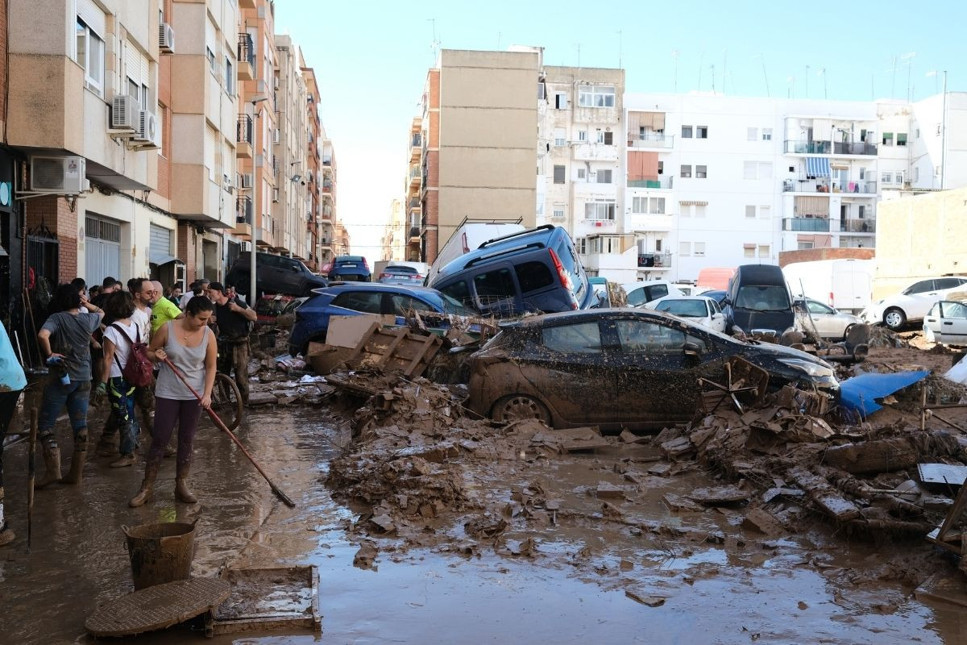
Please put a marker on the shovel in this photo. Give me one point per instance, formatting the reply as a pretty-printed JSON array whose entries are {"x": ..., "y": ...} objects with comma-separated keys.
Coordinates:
[{"x": 218, "y": 422}]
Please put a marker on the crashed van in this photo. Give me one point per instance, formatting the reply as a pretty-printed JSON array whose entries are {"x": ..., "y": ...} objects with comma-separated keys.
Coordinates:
[{"x": 619, "y": 368}]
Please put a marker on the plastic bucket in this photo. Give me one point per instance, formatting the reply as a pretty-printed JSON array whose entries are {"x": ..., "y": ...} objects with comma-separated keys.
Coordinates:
[{"x": 160, "y": 553}]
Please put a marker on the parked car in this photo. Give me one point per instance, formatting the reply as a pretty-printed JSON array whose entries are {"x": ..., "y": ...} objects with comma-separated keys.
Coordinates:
[
  {"x": 467, "y": 237},
  {"x": 350, "y": 268},
  {"x": 911, "y": 304},
  {"x": 270, "y": 308},
  {"x": 641, "y": 293},
  {"x": 830, "y": 323},
  {"x": 401, "y": 274},
  {"x": 599, "y": 286},
  {"x": 274, "y": 274},
  {"x": 946, "y": 323},
  {"x": 697, "y": 309},
  {"x": 536, "y": 270},
  {"x": 758, "y": 301},
  {"x": 717, "y": 296},
  {"x": 618, "y": 368},
  {"x": 355, "y": 298}
]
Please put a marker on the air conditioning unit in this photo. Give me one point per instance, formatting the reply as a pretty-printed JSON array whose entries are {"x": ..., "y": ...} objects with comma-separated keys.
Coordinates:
[
  {"x": 149, "y": 131},
  {"x": 166, "y": 38},
  {"x": 58, "y": 175},
  {"x": 125, "y": 112},
  {"x": 246, "y": 180}
]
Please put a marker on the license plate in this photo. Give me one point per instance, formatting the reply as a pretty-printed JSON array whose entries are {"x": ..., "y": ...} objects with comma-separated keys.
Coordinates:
[{"x": 349, "y": 266}]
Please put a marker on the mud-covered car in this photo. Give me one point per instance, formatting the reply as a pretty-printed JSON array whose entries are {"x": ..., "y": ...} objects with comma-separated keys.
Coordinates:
[{"x": 618, "y": 368}]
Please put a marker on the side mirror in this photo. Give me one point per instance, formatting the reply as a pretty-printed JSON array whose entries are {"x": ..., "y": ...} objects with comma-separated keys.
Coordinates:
[
  {"x": 295, "y": 269},
  {"x": 691, "y": 348}
]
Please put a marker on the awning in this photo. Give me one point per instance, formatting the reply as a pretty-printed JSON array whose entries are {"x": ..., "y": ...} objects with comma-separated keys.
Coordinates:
[
  {"x": 817, "y": 166},
  {"x": 162, "y": 260}
]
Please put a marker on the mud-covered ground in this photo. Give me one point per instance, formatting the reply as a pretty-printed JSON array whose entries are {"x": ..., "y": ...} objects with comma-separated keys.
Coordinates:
[{"x": 432, "y": 527}]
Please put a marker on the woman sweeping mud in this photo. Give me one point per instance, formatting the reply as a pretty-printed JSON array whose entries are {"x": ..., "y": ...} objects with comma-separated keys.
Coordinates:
[{"x": 190, "y": 345}]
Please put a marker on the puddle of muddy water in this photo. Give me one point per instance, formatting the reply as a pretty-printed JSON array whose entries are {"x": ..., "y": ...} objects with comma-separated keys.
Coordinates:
[{"x": 587, "y": 581}]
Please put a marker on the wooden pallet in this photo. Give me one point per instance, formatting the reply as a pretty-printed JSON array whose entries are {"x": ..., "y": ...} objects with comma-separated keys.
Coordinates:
[{"x": 395, "y": 350}]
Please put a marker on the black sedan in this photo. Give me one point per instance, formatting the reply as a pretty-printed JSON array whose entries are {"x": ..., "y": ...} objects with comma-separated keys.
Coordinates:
[{"x": 618, "y": 368}]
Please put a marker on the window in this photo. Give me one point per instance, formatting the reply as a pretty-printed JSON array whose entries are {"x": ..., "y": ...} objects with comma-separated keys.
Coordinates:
[
  {"x": 901, "y": 138},
  {"x": 560, "y": 137},
  {"x": 560, "y": 101},
  {"x": 748, "y": 250},
  {"x": 639, "y": 205},
  {"x": 684, "y": 249},
  {"x": 367, "y": 302},
  {"x": 650, "y": 338},
  {"x": 606, "y": 138},
  {"x": 459, "y": 291},
  {"x": 765, "y": 212},
  {"x": 888, "y": 138},
  {"x": 686, "y": 132},
  {"x": 701, "y": 172},
  {"x": 582, "y": 174},
  {"x": 753, "y": 134},
  {"x": 229, "y": 76},
  {"x": 750, "y": 212},
  {"x": 701, "y": 132},
  {"x": 886, "y": 177},
  {"x": 400, "y": 305},
  {"x": 661, "y": 167},
  {"x": 559, "y": 174},
  {"x": 757, "y": 170},
  {"x": 686, "y": 171},
  {"x": 494, "y": 285},
  {"x": 210, "y": 55},
  {"x": 599, "y": 211},
  {"x": 558, "y": 211},
  {"x": 767, "y": 134},
  {"x": 596, "y": 96},
  {"x": 583, "y": 338},
  {"x": 582, "y": 135},
  {"x": 898, "y": 177},
  {"x": 603, "y": 176},
  {"x": 533, "y": 275},
  {"x": 649, "y": 205},
  {"x": 764, "y": 250},
  {"x": 90, "y": 56},
  {"x": 699, "y": 249}
]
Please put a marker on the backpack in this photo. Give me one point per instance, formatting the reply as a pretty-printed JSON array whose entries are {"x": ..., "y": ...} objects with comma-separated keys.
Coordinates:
[{"x": 138, "y": 371}]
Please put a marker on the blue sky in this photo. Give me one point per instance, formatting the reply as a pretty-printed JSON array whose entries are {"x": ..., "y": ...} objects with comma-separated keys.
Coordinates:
[{"x": 371, "y": 59}]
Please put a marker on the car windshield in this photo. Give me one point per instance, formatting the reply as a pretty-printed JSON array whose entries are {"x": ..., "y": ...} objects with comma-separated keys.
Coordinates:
[
  {"x": 685, "y": 308},
  {"x": 763, "y": 298},
  {"x": 396, "y": 269}
]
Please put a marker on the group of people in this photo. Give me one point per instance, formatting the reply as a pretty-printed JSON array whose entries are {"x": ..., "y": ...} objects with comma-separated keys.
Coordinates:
[{"x": 87, "y": 342}]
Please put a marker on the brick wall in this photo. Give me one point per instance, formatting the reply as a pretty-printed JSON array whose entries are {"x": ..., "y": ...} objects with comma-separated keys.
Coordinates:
[
  {"x": 810, "y": 255},
  {"x": 56, "y": 215}
]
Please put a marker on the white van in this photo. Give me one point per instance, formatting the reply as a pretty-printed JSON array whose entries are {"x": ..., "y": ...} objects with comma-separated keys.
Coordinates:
[
  {"x": 845, "y": 284},
  {"x": 468, "y": 237}
]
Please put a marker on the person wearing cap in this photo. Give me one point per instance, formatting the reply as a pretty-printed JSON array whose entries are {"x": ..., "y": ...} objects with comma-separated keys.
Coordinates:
[{"x": 233, "y": 318}]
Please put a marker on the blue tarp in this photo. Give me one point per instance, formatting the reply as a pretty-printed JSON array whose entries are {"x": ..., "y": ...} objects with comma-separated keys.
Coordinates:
[{"x": 860, "y": 392}]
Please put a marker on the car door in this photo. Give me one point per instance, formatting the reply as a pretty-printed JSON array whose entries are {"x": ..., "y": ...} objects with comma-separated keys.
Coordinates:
[
  {"x": 952, "y": 322},
  {"x": 657, "y": 381},
  {"x": 572, "y": 372},
  {"x": 824, "y": 318},
  {"x": 716, "y": 317}
]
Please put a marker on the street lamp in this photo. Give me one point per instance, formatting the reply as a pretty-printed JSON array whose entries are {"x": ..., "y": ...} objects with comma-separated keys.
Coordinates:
[{"x": 253, "y": 270}]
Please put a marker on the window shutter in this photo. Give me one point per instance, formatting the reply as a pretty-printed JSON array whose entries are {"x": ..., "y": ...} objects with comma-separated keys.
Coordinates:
[{"x": 93, "y": 17}]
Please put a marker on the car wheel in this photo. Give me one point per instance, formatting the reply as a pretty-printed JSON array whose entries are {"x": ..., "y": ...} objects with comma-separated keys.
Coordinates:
[
  {"x": 846, "y": 331},
  {"x": 518, "y": 407},
  {"x": 894, "y": 318}
]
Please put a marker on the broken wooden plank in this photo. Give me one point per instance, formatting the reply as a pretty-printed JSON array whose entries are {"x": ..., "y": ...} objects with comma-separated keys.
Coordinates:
[
  {"x": 880, "y": 456},
  {"x": 827, "y": 498}
]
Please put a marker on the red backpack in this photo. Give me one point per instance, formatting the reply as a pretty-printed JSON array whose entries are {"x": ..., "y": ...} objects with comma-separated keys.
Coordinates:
[{"x": 138, "y": 370}]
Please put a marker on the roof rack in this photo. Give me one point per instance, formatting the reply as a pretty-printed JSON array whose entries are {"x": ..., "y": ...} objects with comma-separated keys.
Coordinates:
[
  {"x": 544, "y": 227},
  {"x": 498, "y": 253}
]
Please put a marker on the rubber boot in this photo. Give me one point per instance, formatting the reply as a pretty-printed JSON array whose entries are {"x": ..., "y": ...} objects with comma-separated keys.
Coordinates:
[
  {"x": 182, "y": 494},
  {"x": 6, "y": 534},
  {"x": 76, "y": 473},
  {"x": 51, "y": 464},
  {"x": 147, "y": 486}
]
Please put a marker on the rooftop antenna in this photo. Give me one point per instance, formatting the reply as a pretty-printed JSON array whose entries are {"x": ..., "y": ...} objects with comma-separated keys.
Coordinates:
[
  {"x": 435, "y": 44},
  {"x": 725, "y": 63},
  {"x": 765, "y": 76},
  {"x": 619, "y": 49},
  {"x": 498, "y": 40},
  {"x": 712, "y": 67},
  {"x": 807, "y": 81},
  {"x": 579, "y": 54},
  {"x": 908, "y": 57},
  {"x": 823, "y": 74},
  {"x": 893, "y": 86}
]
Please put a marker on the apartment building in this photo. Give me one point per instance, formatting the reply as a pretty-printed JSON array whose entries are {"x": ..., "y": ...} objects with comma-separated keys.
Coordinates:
[
  {"x": 290, "y": 205},
  {"x": 478, "y": 137},
  {"x": 394, "y": 242},
  {"x": 313, "y": 156},
  {"x": 409, "y": 238},
  {"x": 330, "y": 218},
  {"x": 581, "y": 152}
]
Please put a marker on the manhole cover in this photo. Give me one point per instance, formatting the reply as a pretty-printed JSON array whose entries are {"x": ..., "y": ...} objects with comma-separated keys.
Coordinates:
[{"x": 157, "y": 607}]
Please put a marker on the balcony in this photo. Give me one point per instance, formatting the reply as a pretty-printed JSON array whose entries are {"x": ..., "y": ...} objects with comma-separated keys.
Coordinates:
[
  {"x": 858, "y": 187},
  {"x": 246, "y": 57},
  {"x": 806, "y": 224},
  {"x": 244, "y": 215},
  {"x": 803, "y": 147},
  {"x": 866, "y": 225},
  {"x": 326, "y": 186},
  {"x": 651, "y": 141},
  {"x": 414, "y": 233},
  {"x": 414, "y": 205},
  {"x": 857, "y": 148},
  {"x": 246, "y": 4},
  {"x": 654, "y": 260},
  {"x": 245, "y": 134},
  {"x": 662, "y": 183}
]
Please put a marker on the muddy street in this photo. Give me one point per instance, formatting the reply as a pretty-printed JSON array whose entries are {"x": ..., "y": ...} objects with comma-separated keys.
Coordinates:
[{"x": 608, "y": 565}]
